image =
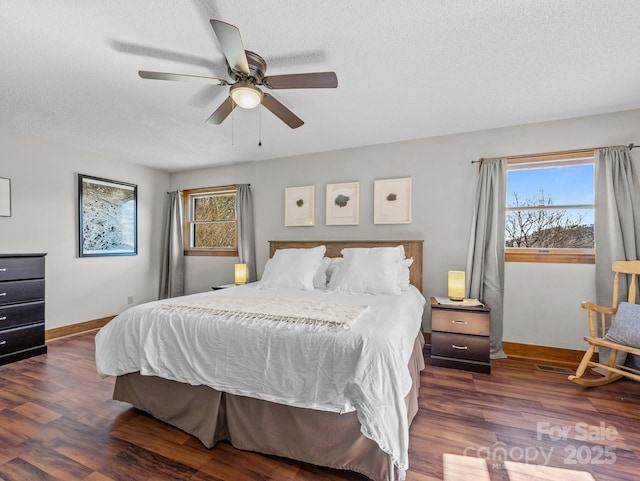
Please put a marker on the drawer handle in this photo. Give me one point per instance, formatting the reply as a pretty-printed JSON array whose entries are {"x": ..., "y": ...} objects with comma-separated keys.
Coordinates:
[
  {"x": 462, "y": 348},
  {"x": 3, "y": 269},
  {"x": 460, "y": 323},
  {"x": 2, "y": 343},
  {"x": 3, "y": 318},
  {"x": 3, "y": 294}
]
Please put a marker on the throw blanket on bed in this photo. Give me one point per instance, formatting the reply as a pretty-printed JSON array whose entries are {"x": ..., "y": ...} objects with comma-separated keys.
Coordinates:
[{"x": 319, "y": 314}]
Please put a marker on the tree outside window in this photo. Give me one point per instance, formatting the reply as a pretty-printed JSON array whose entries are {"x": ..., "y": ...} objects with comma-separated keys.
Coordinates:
[{"x": 210, "y": 224}]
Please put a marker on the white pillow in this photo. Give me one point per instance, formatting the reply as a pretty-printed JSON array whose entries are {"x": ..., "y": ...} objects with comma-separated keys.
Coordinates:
[
  {"x": 369, "y": 271},
  {"x": 292, "y": 269},
  {"x": 320, "y": 279}
]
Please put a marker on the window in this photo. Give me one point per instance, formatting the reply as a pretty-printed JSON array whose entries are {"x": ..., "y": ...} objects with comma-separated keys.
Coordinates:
[
  {"x": 550, "y": 209},
  {"x": 210, "y": 227}
]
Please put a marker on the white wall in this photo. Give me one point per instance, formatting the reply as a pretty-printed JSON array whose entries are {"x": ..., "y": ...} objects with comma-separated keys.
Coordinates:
[
  {"x": 542, "y": 301},
  {"x": 44, "y": 219}
]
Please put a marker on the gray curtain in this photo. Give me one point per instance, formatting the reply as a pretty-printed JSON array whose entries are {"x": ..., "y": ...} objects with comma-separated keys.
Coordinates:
[
  {"x": 617, "y": 217},
  {"x": 485, "y": 261},
  {"x": 172, "y": 268},
  {"x": 246, "y": 236}
]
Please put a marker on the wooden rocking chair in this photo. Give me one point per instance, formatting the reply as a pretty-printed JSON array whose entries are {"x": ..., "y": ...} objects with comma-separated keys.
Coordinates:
[{"x": 597, "y": 313}]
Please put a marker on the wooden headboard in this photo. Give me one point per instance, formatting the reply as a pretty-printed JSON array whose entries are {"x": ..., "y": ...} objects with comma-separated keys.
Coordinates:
[{"x": 412, "y": 248}]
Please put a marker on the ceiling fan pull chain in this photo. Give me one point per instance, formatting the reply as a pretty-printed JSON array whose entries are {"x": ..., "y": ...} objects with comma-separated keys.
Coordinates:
[{"x": 260, "y": 128}]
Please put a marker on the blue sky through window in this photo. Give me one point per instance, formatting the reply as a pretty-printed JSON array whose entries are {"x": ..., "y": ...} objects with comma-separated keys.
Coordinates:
[{"x": 568, "y": 185}]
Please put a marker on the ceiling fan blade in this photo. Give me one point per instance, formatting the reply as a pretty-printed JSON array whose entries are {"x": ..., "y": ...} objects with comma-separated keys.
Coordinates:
[
  {"x": 182, "y": 77},
  {"x": 316, "y": 80},
  {"x": 282, "y": 112},
  {"x": 232, "y": 46},
  {"x": 154, "y": 52},
  {"x": 222, "y": 112}
]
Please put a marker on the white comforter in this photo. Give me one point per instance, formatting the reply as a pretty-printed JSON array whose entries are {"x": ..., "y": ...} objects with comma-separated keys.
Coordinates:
[{"x": 362, "y": 368}]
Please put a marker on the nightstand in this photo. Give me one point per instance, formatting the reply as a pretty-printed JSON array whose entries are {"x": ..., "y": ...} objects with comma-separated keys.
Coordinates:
[
  {"x": 460, "y": 336},
  {"x": 222, "y": 286}
]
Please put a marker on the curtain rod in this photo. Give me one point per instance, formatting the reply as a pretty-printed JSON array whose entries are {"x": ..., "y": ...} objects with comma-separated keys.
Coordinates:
[
  {"x": 231, "y": 185},
  {"x": 558, "y": 152}
]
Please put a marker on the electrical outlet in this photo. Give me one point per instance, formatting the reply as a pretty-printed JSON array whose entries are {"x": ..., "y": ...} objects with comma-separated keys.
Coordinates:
[{"x": 130, "y": 300}]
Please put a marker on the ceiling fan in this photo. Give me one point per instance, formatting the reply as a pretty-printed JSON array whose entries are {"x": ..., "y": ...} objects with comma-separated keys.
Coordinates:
[{"x": 247, "y": 69}]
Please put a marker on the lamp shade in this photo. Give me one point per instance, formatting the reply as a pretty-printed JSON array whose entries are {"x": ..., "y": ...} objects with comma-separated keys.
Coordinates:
[
  {"x": 456, "y": 285},
  {"x": 246, "y": 95},
  {"x": 240, "y": 273}
]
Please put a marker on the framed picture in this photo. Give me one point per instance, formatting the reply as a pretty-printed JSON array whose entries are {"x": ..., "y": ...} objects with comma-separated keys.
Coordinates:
[
  {"x": 343, "y": 204},
  {"x": 392, "y": 201},
  {"x": 299, "y": 206},
  {"x": 5, "y": 197},
  {"x": 107, "y": 214}
]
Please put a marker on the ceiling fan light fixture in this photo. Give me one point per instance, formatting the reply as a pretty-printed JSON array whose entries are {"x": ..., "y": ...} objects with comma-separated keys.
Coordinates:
[{"x": 246, "y": 95}]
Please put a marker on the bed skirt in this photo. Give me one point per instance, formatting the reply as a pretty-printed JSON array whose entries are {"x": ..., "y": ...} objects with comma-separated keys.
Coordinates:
[{"x": 317, "y": 437}]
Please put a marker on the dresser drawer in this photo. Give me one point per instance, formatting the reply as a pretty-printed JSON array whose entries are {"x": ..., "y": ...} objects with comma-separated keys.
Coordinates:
[
  {"x": 15, "y": 268},
  {"x": 21, "y": 314},
  {"x": 460, "y": 346},
  {"x": 463, "y": 322},
  {"x": 21, "y": 338},
  {"x": 12, "y": 292}
]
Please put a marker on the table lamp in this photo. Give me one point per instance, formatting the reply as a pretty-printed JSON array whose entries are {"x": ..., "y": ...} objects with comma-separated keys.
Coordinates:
[
  {"x": 456, "y": 285},
  {"x": 240, "y": 273}
]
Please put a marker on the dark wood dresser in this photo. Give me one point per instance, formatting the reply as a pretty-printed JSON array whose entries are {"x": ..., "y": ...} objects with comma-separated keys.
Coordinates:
[
  {"x": 460, "y": 337},
  {"x": 21, "y": 306}
]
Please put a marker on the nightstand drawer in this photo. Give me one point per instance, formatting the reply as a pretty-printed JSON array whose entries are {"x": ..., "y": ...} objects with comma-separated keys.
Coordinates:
[
  {"x": 463, "y": 322},
  {"x": 460, "y": 346},
  {"x": 21, "y": 338},
  {"x": 21, "y": 291},
  {"x": 15, "y": 268},
  {"x": 21, "y": 314}
]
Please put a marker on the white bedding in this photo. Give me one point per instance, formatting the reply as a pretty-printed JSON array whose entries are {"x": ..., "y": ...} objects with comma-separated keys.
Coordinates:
[{"x": 363, "y": 368}]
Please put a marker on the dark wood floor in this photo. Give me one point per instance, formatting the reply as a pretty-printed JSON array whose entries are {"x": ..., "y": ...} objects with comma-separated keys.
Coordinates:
[{"x": 57, "y": 422}]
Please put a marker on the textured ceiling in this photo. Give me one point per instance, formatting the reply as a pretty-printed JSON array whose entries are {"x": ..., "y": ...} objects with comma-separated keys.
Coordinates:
[{"x": 406, "y": 69}]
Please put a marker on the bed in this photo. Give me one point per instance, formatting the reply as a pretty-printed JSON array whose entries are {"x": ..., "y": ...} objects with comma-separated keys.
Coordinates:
[{"x": 350, "y": 401}]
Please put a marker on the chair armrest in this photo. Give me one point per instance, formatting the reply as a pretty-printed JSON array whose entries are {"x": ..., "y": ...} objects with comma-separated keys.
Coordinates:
[
  {"x": 602, "y": 312},
  {"x": 590, "y": 306}
]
